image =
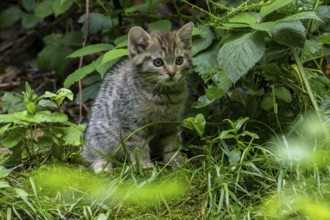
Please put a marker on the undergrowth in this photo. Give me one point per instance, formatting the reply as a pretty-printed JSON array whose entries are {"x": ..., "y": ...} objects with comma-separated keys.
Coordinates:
[{"x": 255, "y": 134}]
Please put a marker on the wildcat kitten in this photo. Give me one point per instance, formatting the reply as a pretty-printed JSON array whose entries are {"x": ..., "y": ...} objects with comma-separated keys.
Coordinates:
[{"x": 148, "y": 87}]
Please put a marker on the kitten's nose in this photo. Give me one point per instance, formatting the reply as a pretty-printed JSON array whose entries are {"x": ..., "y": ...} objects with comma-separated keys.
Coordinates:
[{"x": 171, "y": 74}]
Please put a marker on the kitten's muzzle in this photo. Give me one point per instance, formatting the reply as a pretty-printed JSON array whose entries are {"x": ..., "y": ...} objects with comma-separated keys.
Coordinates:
[{"x": 171, "y": 74}]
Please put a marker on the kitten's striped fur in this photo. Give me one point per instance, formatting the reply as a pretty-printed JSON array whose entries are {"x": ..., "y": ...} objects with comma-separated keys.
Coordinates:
[{"x": 148, "y": 87}]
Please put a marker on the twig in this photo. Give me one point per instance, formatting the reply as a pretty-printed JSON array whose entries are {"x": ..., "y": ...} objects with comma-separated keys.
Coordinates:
[{"x": 81, "y": 58}]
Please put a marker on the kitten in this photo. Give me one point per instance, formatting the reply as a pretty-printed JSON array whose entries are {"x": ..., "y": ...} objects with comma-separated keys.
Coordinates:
[{"x": 148, "y": 87}]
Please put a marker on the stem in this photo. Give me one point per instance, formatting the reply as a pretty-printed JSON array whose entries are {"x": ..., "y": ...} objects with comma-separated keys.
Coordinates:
[
  {"x": 305, "y": 80},
  {"x": 81, "y": 58}
]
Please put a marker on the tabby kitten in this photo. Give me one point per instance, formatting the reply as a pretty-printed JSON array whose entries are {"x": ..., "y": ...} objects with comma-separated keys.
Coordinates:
[{"x": 148, "y": 87}]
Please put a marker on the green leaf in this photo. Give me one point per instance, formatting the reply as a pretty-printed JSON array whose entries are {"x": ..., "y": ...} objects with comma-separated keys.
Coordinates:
[
  {"x": 4, "y": 184},
  {"x": 202, "y": 102},
  {"x": 203, "y": 41},
  {"x": 29, "y": 21},
  {"x": 245, "y": 18},
  {"x": 49, "y": 117},
  {"x": 31, "y": 108},
  {"x": 267, "y": 103},
  {"x": 324, "y": 38},
  {"x": 61, "y": 6},
  {"x": 4, "y": 128},
  {"x": 197, "y": 124},
  {"x": 73, "y": 135},
  {"x": 283, "y": 94},
  {"x": 266, "y": 26},
  {"x": 64, "y": 93},
  {"x": 12, "y": 137},
  {"x": 114, "y": 54},
  {"x": 29, "y": 5},
  {"x": 9, "y": 16},
  {"x": 90, "y": 50},
  {"x": 98, "y": 22},
  {"x": 121, "y": 41},
  {"x": 53, "y": 57},
  {"x": 205, "y": 63},
  {"x": 79, "y": 74},
  {"x": 44, "y": 9},
  {"x": 291, "y": 34},
  {"x": 4, "y": 172},
  {"x": 161, "y": 24},
  {"x": 234, "y": 156},
  {"x": 47, "y": 103},
  {"x": 238, "y": 56},
  {"x": 213, "y": 93},
  {"x": 12, "y": 102},
  {"x": 302, "y": 16},
  {"x": 275, "y": 5}
]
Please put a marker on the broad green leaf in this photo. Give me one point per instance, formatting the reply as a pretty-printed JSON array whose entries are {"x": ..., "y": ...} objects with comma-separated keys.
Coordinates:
[
  {"x": 245, "y": 18},
  {"x": 238, "y": 56},
  {"x": 143, "y": 8},
  {"x": 213, "y": 93},
  {"x": 205, "y": 63},
  {"x": 267, "y": 103},
  {"x": 29, "y": 5},
  {"x": 73, "y": 135},
  {"x": 203, "y": 41},
  {"x": 49, "y": 117},
  {"x": 196, "y": 31},
  {"x": 91, "y": 49},
  {"x": 79, "y": 74},
  {"x": 3, "y": 184},
  {"x": 12, "y": 102},
  {"x": 12, "y": 137},
  {"x": 234, "y": 156},
  {"x": 4, "y": 172},
  {"x": 47, "y": 103},
  {"x": 266, "y": 26},
  {"x": 98, "y": 22},
  {"x": 31, "y": 108},
  {"x": 44, "y": 9},
  {"x": 196, "y": 123},
  {"x": 291, "y": 34},
  {"x": 64, "y": 93},
  {"x": 9, "y": 16},
  {"x": 53, "y": 57},
  {"x": 4, "y": 128},
  {"x": 39, "y": 117},
  {"x": 162, "y": 24},
  {"x": 202, "y": 102},
  {"x": 235, "y": 25},
  {"x": 29, "y": 21},
  {"x": 121, "y": 41},
  {"x": 283, "y": 94},
  {"x": 61, "y": 6},
  {"x": 275, "y": 5},
  {"x": 240, "y": 122},
  {"x": 114, "y": 54},
  {"x": 324, "y": 38},
  {"x": 302, "y": 16}
]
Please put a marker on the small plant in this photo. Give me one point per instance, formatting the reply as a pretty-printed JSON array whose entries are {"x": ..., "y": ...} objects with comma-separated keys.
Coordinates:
[{"x": 38, "y": 132}]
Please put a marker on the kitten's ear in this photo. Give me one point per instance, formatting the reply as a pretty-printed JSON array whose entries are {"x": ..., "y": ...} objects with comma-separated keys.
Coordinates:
[
  {"x": 138, "y": 41},
  {"x": 185, "y": 34}
]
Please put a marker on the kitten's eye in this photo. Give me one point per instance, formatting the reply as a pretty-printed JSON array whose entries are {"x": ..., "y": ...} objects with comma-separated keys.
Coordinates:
[
  {"x": 179, "y": 61},
  {"x": 158, "y": 62}
]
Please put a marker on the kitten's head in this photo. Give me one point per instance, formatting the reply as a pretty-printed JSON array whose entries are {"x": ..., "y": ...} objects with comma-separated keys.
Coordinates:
[{"x": 161, "y": 57}]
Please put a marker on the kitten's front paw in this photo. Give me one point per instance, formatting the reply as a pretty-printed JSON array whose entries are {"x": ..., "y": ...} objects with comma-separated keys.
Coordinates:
[
  {"x": 174, "y": 160},
  {"x": 101, "y": 165},
  {"x": 147, "y": 164}
]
